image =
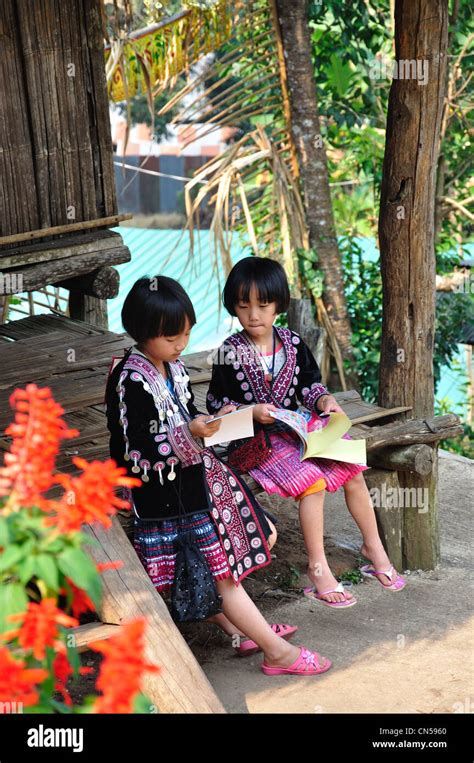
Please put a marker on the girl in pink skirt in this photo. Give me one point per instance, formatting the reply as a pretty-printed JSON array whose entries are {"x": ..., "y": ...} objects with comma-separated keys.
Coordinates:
[{"x": 272, "y": 367}]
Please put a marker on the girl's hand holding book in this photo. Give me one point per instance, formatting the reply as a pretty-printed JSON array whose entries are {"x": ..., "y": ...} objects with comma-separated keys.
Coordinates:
[
  {"x": 227, "y": 409},
  {"x": 328, "y": 404},
  {"x": 203, "y": 426},
  {"x": 260, "y": 413}
]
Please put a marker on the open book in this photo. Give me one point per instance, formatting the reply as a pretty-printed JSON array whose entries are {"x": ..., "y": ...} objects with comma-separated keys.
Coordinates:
[
  {"x": 234, "y": 426},
  {"x": 326, "y": 442}
]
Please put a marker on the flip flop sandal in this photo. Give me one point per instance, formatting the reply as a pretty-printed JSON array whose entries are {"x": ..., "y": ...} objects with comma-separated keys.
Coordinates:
[
  {"x": 368, "y": 571},
  {"x": 308, "y": 663},
  {"x": 248, "y": 647},
  {"x": 311, "y": 593}
]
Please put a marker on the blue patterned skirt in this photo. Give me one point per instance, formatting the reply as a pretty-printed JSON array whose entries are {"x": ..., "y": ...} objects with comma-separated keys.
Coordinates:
[{"x": 156, "y": 546}]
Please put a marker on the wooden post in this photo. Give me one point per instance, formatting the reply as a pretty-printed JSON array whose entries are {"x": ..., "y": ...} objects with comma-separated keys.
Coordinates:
[
  {"x": 383, "y": 486},
  {"x": 301, "y": 320},
  {"x": 88, "y": 309},
  {"x": 406, "y": 234}
]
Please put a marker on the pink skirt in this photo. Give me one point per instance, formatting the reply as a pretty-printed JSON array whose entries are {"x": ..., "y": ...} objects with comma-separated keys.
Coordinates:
[{"x": 284, "y": 474}]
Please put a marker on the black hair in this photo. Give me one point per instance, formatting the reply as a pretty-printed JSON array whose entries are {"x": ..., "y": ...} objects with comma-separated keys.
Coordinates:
[
  {"x": 155, "y": 307},
  {"x": 266, "y": 275}
]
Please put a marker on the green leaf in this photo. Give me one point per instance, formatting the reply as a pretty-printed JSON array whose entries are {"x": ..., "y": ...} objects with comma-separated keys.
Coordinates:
[
  {"x": 77, "y": 566},
  {"x": 143, "y": 705},
  {"x": 61, "y": 707},
  {"x": 26, "y": 569},
  {"x": 47, "y": 570},
  {"x": 10, "y": 557},
  {"x": 4, "y": 534},
  {"x": 87, "y": 704},
  {"x": 13, "y": 600}
]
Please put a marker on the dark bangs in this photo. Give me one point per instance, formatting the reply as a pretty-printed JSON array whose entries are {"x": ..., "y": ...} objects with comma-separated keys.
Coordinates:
[
  {"x": 156, "y": 306},
  {"x": 266, "y": 275}
]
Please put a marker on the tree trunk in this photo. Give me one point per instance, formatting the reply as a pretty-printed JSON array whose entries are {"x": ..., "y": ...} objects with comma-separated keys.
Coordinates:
[
  {"x": 406, "y": 234},
  {"x": 306, "y": 132}
]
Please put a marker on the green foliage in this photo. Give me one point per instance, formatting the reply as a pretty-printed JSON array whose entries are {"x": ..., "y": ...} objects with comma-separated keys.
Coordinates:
[
  {"x": 363, "y": 288},
  {"x": 464, "y": 444},
  {"x": 353, "y": 576},
  {"x": 453, "y": 310},
  {"x": 311, "y": 276}
]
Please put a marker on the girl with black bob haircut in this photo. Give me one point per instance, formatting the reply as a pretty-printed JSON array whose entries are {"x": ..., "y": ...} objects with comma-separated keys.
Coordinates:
[
  {"x": 198, "y": 529},
  {"x": 270, "y": 367},
  {"x": 265, "y": 275},
  {"x": 155, "y": 307}
]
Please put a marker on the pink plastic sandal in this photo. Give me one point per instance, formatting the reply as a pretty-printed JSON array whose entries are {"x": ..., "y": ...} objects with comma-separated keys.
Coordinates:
[
  {"x": 368, "y": 571},
  {"x": 248, "y": 647},
  {"x": 310, "y": 593},
  {"x": 307, "y": 664}
]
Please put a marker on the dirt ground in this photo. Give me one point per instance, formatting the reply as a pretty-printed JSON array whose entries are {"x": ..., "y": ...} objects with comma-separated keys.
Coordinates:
[{"x": 394, "y": 652}]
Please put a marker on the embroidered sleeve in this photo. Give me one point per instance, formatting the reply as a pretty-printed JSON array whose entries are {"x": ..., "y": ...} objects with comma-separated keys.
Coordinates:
[
  {"x": 186, "y": 447},
  {"x": 221, "y": 381},
  {"x": 150, "y": 451},
  {"x": 309, "y": 388}
]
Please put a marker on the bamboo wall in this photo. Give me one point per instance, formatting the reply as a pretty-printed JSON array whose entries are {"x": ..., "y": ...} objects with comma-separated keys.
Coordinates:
[{"x": 56, "y": 157}]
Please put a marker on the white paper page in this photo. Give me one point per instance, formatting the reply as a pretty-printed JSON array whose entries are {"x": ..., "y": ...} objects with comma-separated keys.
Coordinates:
[{"x": 234, "y": 426}]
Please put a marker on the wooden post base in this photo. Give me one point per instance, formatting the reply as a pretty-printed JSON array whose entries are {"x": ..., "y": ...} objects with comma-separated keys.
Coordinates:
[{"x": 383, "y": 487}]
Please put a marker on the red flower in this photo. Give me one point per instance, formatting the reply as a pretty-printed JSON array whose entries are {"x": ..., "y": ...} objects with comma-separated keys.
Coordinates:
[
  {"x": 80, "y": 600},
  {"x": 36, "y": 432},
  {"x": 122, "y": 668},
  {"x": 62, "y": 671},
  {"x": 89, "y": 497},
  {"x": 17, "y": 683},
  {"x": 39, "y": 626}
]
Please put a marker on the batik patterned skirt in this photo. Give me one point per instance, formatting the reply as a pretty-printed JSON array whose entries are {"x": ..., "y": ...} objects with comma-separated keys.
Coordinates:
[
  {"x": 156, "y": 544},
  {"x": 283, "y": 473}
]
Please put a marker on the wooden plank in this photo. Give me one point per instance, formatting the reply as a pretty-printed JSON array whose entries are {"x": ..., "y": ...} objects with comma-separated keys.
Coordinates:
[
  {"x": 55, "y": 359},
  {"x": 378, "y": 413},
  {"x": 73, "y": 391},
  {"x": 33, "y": 277},
  {"x": 65, "y": 246},
  {"x": 87, "y": 634},
  {"x": 34, "y": 325},
  {"x": 128, "y": 593},
  {"x": 55, "y": 230}
]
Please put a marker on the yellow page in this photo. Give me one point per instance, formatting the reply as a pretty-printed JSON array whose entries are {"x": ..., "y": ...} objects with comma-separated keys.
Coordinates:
[
  {"x": 338, "y": 425},
  {"x": 351, "y": 451}
]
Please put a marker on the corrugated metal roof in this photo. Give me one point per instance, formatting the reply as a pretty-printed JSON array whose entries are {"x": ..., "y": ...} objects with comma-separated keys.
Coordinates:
[{"x": 150, "y": 249}]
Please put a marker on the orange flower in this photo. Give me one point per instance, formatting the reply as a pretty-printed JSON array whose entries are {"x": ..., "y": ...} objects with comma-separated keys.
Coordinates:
[
  {"x": 16, "y": 682},
  {"x": 89, "y": 497},
  {"x": 36, "y": 432},
  {"x": 103, "y": 566},
  {"x": 39, "y": 626},
  {"x": 122, "y": 668}
]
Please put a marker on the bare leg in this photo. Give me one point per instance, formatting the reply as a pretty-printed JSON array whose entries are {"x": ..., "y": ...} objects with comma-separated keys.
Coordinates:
[
  {"x": 311, "y": 509},
  {"x": 221, "y": 620},
  {"x": 360, "y": 506},
  {"x": 240, "y": 609},
  {"x": 225, "y": 625}
]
